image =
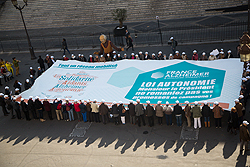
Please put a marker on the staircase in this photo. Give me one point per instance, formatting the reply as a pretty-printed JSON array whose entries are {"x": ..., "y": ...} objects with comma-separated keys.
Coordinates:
[{"x": 66, "y": 13}]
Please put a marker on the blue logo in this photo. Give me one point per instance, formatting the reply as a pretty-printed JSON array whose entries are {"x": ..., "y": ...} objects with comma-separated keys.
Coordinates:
[{"x": 182, "y": 81}]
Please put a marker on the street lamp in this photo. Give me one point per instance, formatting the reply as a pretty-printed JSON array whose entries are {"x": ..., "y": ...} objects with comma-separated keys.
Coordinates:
[
  {"x": 20, "y": 8},
  {"x": 158, "y": 20},
  {"x": 245, "y": 47}
]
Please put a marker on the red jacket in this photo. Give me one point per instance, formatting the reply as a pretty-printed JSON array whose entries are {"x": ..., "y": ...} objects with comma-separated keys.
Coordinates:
[
  {"x": 47, "y": 106},
  {"x": 77, "y": 108},
  {"x": 195, "y": 57}
]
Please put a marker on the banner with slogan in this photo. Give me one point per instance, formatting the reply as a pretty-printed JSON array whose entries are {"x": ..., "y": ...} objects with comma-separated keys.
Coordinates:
[{"x": 153, "y": 80}]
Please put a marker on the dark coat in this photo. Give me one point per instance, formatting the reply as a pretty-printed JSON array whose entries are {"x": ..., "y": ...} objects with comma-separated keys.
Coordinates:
[
  {"x": 2, "y": 102},
  {"x": 27, "y": 85},
  {"x": 24, "y": 106},
  {"x": 233, "y": 120},
  {"x": 177, "y": 109},
  {"x": 9, "y": 104},
  {"x": 41, "y": 62},
  {"x": 149, "y": 112},
  {"x": 88, "y": 107},
  {"x": 131, "y": 110},
  {"x": 15, "y": 105},
  {"x": 47, "y": 106},
  {"x": 120, "y": 108},
  {"x": 38, "y": 104},
  {"x": 103, "y": 109},
  {"x": 206, "y": 111},
  {"x": 31, "y": 105},
  {"x": 114, "y": 109},
  {"x": 83, "y": 108},
  {"x": 244, "y": 133}
]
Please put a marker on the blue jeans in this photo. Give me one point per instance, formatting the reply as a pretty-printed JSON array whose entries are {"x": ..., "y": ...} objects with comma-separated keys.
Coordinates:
[
  {"x": 71, "y": 115},
  {"x": 67, "y": 50},
  {"x": 206, "y": 119},
  {"x": 168, "y": 119},
  {"x": 178, "y": 120},
  {"x": 84, "y": 115}
]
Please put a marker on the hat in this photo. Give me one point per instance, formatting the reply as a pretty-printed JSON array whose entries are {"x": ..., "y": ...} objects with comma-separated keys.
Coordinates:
[
  {"x": 90, "y": 55},
  {"x": 167, "y": 102},
  {"x": 194, "y": 51},
  {"x": 138, "y": 100},
  {"x": 221, "y": 52},
  {"x": 248, "y": 70},
  {"x": 47, "y": 54},
  {"x": 45, "y": 98},
  {"x": 22, "y": 99},
  {"x": 146, "y": 52},
  {"x": 52, "y": 57},
  {"x": 6, "y": 96},
  {"x": 132, "y": 54},
  {"x": 36, "y": 97},
  {"x": 211, "y": 54},
  {"x": 114, "y": 56},
  {"x": 75, "y": 100},
  {"x": 177, "y": 51},
  {"x": 136, "y": 55},
  {"x": 203, "y": 53},
  {"x": 114, "y": 51},
  {"x": 108, "y": 55},
  {"x": 153, "y": 54},
  {"x": 229, "y": 51},
  {"x": 103, "y": 100},
  {"x": 160, "y": 52},
  {"x": 187, "y": 102},
  {"x": 31, "y": 68},
  {"x": 1, "y": 94},
  {"x": 94, "y": 100},
  {"x": 177, "y": 101},
  {"x": 119, "y": 55},
  {"x": 114, "y": 102},
  {"x": 243, "y": 79},
  {"x": 14, "y": 98},
  {"x": 63, "y": 103},
  {"x": 16, "y": 89},
  {"x": 130, "y": 101},
  {"x": 31, "y": 76},
  {"x": 216, "y": 102},
  {"x": 196, "y": 103},
  {"x": 170, "y": 54},
  {"x": 125, "y": 54},
  {"x": 247, "y": 77},
  {"x": 221, "y": 49},
  {"x": 148, "y": 102},
  {"x": 140, "y": 52},
  {"x": 120, "y": 102},
  {"x": 38, "y": 67},
  {"x": 72, "y": 55},
  {"x": 205, "y": 102},
  {"x": 64, "y": 56},
  {"x": 67, "y": 99},
  {"x": 183, "y": 53},
  {"x": 58, "y": 99},
  {"x": 101, "y": 55},
  {"x": 87, "y": 101},
  {"x": 30, "y": 97},
  {"x": 241, "y": 96},
  {"x": 236, "y": 100},
  {"x": 245, "y": 122},
  {"x": 6, "y": 87},
  {"x": 171, "y": 38},
  {"x": 159, "y": 102}
]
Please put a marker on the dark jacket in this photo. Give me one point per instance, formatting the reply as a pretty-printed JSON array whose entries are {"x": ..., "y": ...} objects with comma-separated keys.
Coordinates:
[
  {"x": 47, "y": 106},
  {"x": 233, "y": 119},
  {"x": 139, "y": 109},
  {"x": 114, "y": 109},
  {"x": 41, "y": 62},
  {"x": 177, "y": 109},
  {"x": 9, "y": 104},
  {"x": 56, "y": 104},
  {"x": 2, "y": 102},
  {"x": 206, "y": 111},
  {"x": 15, "y": 105},
  {"x": 120, "y": 108},
  {"x": 27, "y": 85},
  {"x": 31, "y": 105},
  {"x": 88, "y": 107},
  {"x": 103, "y": 109},
  {"x": 131, "y": 110},
  {"x": 82, "y": 108},
  {"x": 38, "y": 104},
  {"x": 149, "y": 112}
]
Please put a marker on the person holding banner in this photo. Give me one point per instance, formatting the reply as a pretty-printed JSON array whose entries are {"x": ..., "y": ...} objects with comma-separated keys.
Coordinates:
[
  {"x": 196, "y": 110},
  {"x": 83, "y": 110},
  {"x": 139, "y": 112},
  {"x": 122, "y": 111},
  {"x": 115, "y": 112},
  {"x": 58, "y": 107},
  {"x": 206, "y": 111},
  {"x": 149, "y": 112},
  {"x": 103, "y": 111},
  {"x": 178, "y": 113},
  {"x": 131, "y": 110},
  {"x": 89, "y": 113},
  {"x": 239, "y": 108},
  {"x": 218, "y": 112},
  {"x": 159, "y": 112},
  {"x": 39, "y": 108},
  {"x": 69, "y": 109},
  {"x": 168, "y": 113},
  {"x": 187, "y": 110},
  {"x": 95, "y": 111},
  {"x": 77, "y": 110}
]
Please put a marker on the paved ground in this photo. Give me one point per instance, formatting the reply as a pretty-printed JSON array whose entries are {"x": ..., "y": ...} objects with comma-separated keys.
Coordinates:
[{"x": 33, "y": 143}]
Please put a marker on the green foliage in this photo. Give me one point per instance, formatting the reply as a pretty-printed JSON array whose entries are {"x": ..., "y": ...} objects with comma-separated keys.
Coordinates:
[{"x": 119, "y": 14}]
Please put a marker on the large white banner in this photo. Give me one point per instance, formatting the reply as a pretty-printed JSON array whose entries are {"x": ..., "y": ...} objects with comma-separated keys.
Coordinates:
[{"x": 154, "y": 80}]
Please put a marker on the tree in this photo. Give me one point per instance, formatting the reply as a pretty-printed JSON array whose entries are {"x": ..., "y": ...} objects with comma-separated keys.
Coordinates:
[{"x": 120, "y": 15}]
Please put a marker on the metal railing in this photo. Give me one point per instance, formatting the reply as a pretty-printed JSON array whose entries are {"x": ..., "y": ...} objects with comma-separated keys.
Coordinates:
[{"x": 232, "y": 31}]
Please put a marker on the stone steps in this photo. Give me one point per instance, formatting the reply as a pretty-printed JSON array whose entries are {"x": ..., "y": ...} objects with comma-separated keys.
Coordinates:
[{"x": 63, "y": 13}]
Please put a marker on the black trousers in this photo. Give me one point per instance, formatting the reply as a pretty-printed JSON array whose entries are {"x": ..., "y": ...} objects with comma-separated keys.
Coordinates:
[
  {"x": 151, "y": 121},
  {"x": 160, "y": 120},
  {"x": 96, "y": 117},
  {"x": 139, "y": 118},
  {"x": 18, "y": 114},
  {"x": 4, "y": 110},
  {"x": 50, "y": 114},
  {"x": 33, "y": 112},
  {"x": 217, "y": 122},
  {"x": 105, "y": 119},
  {"x": 27, "y": 115}
]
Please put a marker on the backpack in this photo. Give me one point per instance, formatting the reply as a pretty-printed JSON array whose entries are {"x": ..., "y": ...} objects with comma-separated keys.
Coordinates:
[{"x": 59, "y": 106}]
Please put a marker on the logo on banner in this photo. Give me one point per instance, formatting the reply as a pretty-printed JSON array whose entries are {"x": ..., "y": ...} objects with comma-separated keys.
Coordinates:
[
  {"x": 72, "y": 82},
  {"x": 183, "y": 81}
]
